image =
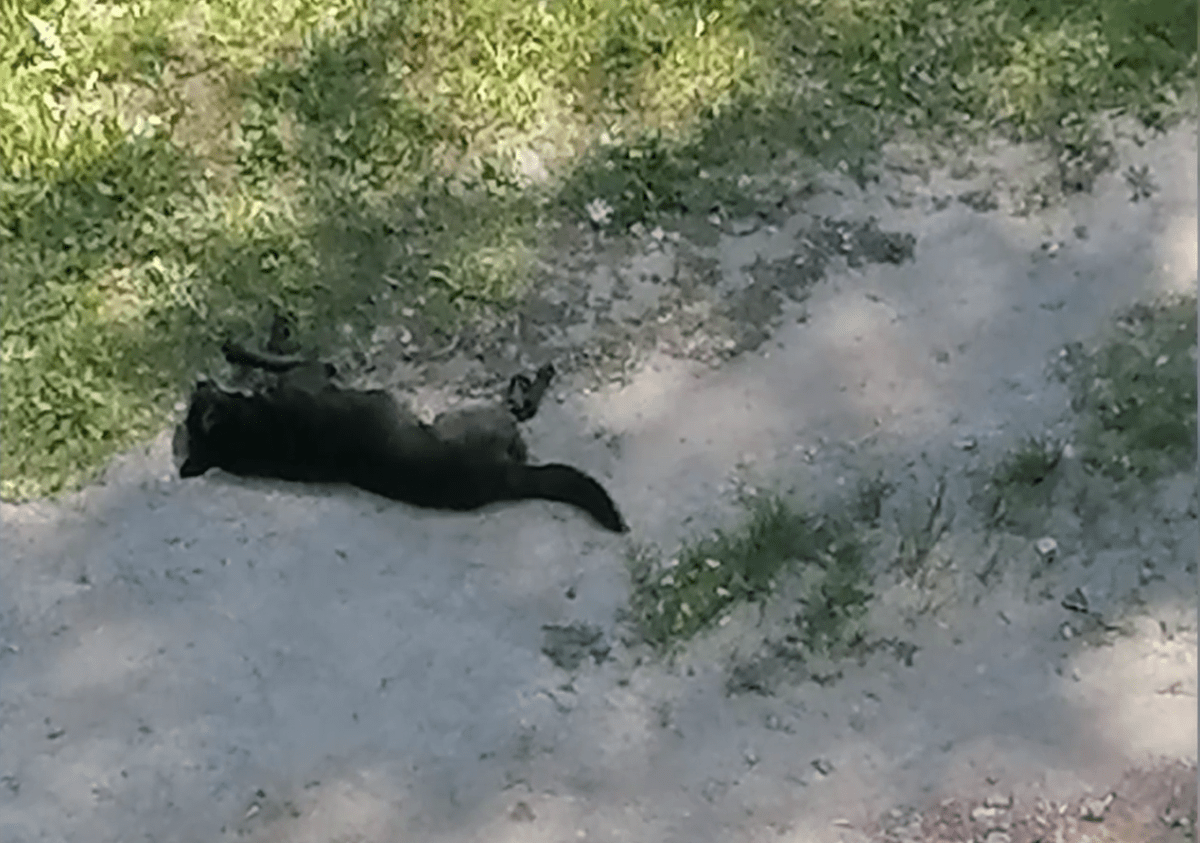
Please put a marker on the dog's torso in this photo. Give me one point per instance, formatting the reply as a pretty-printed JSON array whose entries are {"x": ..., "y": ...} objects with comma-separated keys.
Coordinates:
[{"x": 329, "y": 436}]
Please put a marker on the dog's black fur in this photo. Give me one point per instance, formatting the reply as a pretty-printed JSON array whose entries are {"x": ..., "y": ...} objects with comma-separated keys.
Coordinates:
[{"x": 307, "y": 429}]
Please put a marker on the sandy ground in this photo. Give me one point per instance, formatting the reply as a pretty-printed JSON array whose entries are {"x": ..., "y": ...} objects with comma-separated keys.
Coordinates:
[{"x": 220, "y": 659}]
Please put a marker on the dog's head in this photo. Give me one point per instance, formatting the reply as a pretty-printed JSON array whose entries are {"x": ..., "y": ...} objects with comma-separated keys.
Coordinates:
[{"x": 209, "y": 408}]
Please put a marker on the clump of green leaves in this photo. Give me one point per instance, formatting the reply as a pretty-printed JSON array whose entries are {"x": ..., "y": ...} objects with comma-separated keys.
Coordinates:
[
  {"x": 1137, "y": 393},
  {"x": 834, "y": 594},
  {"x": 1030, "y": 465},
  {"x": 674, "y": 599},
  {"x": 1023, "y": 482},
  {"x": 630, "y": 183}
]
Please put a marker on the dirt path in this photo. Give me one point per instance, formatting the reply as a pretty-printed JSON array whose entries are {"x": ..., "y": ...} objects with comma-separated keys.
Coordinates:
[{"x": 217, "y": 659}]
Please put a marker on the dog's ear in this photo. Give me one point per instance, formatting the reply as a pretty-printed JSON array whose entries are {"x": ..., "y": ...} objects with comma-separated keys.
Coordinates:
[{"x": 209, "y": 418}]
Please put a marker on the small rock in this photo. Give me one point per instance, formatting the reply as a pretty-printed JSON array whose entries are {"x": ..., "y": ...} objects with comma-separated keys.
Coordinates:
[
  {"x": 998, "y": 800},
  {"x": 823, "y": 766},
  {"x": 522, "y": 813},
  {"x": 1047, "y": 548},
  {"x": 997, "y": 836},
  {"x": 983, "y": 812},
  {"x": 966, "y": 444},
  {"x": 1093, "y": 810},
  {"x": 1076, "y": 601}
]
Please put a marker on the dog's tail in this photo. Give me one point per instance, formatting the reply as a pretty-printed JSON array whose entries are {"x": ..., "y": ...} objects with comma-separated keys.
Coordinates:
[
  {"x": 556, "y": 482},
  {"x": 467, "y": 484}
]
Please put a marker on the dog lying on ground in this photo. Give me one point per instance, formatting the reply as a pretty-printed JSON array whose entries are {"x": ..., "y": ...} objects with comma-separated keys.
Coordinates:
[{"x": 307, "y": 429}]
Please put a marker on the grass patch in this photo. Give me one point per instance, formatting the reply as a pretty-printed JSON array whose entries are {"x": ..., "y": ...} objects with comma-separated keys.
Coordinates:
[
  {"x": 1030, "y": 465},
  {"x": 870, "y": 493},
  {"x": 834, "y": 595},
  {"x": 1022, "y": 484},
  {"x": 170, "y": 169},
  {"x": 672, "y": 600},
  {"x": 1137, "y": 394},
  {"x": 922, "y": 526},
  {"x": 1134, "y": 394}
]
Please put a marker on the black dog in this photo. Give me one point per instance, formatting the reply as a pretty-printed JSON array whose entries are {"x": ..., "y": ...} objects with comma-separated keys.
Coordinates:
[{"x": 307, "y": 429}]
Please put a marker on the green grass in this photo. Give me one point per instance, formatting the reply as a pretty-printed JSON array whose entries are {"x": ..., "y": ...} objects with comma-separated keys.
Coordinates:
[
  {"x": 168, "y": 169},
  {"x": 1134, "y": 393},
  {"x": 1137, "y": 394},
  {"x": 673, "y": 600},
  {"x": 1023, "y": 483}
]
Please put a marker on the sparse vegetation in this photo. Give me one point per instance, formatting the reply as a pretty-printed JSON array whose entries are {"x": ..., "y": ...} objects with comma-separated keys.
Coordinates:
[
  {"x": 1031, "y": 464},
  {"x": 676, "y": 598},
  {"x": 1134, "y": 393},
  {"x": 169, "y": 170},
  {"x": 1022, "y": 485},
  {"x": 921, "y": 528},
  {"x": 871, "y": 492},
  {"x": 1019, "y": 490},
  {"x": 1137, "y": 393},
  {"x": 835, "y": 596}
]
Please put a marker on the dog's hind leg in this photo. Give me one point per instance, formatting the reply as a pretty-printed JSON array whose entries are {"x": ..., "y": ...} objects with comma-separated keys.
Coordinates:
[
  {"x": 267, "y": 361},
  {"x": 523, "y": 395}
]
